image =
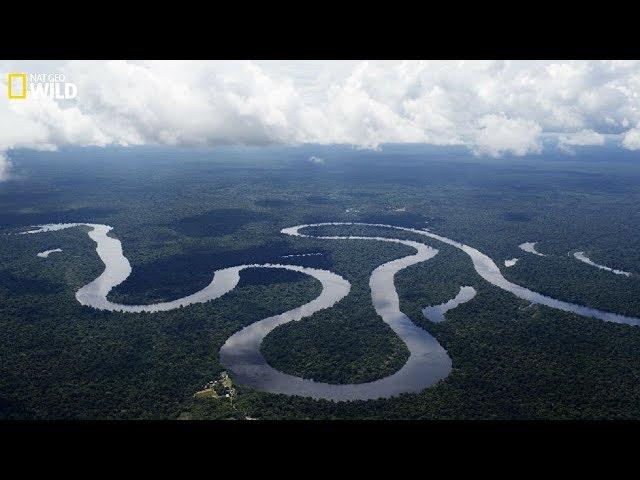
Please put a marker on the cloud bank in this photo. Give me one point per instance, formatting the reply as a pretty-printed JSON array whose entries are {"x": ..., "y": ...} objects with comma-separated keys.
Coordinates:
[
  {"x": 631, "y": 140},
  {"x": 581, "y": 138},
  {"x": 494, "y": 107},
  {"x": 497, "y": 134}
]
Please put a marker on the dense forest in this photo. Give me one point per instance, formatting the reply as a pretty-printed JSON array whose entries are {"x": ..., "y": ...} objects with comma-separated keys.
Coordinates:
[{"x": 181, "y": 214}]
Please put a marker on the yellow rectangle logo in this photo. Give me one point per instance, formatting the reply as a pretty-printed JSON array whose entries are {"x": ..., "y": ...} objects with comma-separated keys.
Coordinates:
[{"x": 17, "y": 85}]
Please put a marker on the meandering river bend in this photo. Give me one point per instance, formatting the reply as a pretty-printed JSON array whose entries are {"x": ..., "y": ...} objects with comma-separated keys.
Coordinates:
[{"x": 428, "y": 361}]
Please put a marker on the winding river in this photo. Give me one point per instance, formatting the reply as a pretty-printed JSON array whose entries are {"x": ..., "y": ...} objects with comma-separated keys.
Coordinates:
[
  {"x": 583, "y": 258},
  {"x": 487, "y": 269},
  {"x": 428, "y": 361},
  {"x": 46, "y": 253},
  {"x": 436, "y": 312}
]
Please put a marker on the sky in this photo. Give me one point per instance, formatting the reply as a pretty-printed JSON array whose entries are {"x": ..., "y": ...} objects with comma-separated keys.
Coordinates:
[{"x": 496, "y": 109}]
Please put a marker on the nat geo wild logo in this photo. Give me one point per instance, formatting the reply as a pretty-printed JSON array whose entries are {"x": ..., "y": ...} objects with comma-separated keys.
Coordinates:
[{"x": 21, "y": 86}]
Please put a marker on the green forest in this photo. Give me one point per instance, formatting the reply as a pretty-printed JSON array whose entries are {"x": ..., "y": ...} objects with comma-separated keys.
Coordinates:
[{"x": 181, "y": 214}]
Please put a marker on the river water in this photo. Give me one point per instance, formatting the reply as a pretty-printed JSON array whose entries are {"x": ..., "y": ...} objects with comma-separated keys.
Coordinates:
[
  {"x": 583, "y": 258},
  {"x": 530, "y": 247},
  {"x": 487, "y": 269},
  {"x": 428, "y": 361},
  {"x": 436, "y": 313},
  {"x": 46, "y": 253}
]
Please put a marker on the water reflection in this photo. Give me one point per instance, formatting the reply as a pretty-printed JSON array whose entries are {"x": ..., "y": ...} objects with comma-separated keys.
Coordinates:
[
  {"x": 428, "y": 361},
  {"x": 583, "y": 258},
  {"x": 436, "y": 313},
  {"x": 488, "y": 270}
]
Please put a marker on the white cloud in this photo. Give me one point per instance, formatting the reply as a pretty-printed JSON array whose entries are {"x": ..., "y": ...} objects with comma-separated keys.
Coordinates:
[
  {"x": 492, "y": 107},
  {"x": 496, "y": 135},
  {"x": 631, "y": 139},
  {"x": 581, "y": 138},
  {"x": 316, "y": 160},
  {"x": 46, "y": 124}
]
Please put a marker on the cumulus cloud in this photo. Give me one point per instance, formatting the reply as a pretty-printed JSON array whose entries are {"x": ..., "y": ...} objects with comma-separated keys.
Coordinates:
[
  {"x": 43, "y": 125},
  {"x": 581, "y": 138},
  {"x": 631, "y": 139},
  {"x": 492, "y": 107},
  {"x": 496, "y": 135}
]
